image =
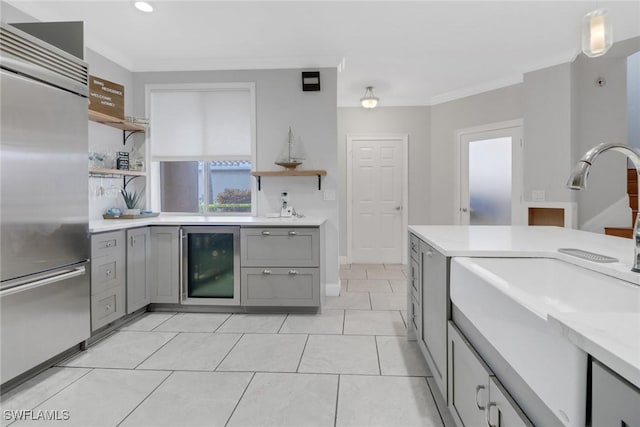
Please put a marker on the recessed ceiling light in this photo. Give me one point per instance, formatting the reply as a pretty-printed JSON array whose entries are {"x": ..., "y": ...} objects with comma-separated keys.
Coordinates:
[{"x": 143, "y": 6}]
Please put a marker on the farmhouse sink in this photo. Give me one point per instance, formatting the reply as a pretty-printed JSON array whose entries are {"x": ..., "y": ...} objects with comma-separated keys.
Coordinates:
[{"x": 509, "y": 299}]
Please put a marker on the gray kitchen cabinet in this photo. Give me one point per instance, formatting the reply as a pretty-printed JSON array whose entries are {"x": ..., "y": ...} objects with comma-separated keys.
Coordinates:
[
  {"x": 614, "y": 401},
  {"x": 434, "y": 278},
  {"x": 280, "y": 247},
  {"x": 476, "y": 397},
  {"x": 502, "y": 410},
  {"x": 280, "y": 266},
  {"x": 297, "y": 287},
  {"x": 107, "y": 278},
  {"x": 414, "y": 291},
  {"x": 138, "y": 268},
  {"x": 165, "y": 264}
]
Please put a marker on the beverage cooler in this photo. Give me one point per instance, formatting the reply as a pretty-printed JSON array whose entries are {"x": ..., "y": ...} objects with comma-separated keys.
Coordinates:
[{"x": 210, "y": 265}]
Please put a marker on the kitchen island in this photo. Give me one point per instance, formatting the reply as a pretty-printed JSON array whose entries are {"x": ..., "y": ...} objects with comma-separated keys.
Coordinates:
[{"x": 603, "y": 335}]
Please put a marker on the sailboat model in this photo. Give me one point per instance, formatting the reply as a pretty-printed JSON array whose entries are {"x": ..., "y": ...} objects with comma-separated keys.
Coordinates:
[{"x": 291, "y": 155}]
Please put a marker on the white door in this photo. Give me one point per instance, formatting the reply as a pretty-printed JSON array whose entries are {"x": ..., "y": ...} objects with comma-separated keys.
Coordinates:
[
  {"x": 491, "y": 176},
  {"x": 376, "y": 199}
]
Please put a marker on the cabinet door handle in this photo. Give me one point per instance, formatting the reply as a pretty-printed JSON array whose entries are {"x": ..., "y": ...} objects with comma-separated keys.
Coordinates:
[
  {"x": 491, "y": 405},
  {"x": 293, "y": 272},
  {"x": 266, "y": 271},
  {"x": 108, "y": 272},
  {"x": 108, "y": 244},
  {"x": 132, "y": 239},
  {"x": 266, "y": 233},
  {"x": 107, "y": 307},
  {"x": 293, "y": 233},
  {"x": 478, "y": 389},
  {"x": 429, "y": 253}
]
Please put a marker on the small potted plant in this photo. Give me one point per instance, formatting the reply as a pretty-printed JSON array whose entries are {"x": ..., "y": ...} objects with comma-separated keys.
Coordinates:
[{"x": 131, "y": 200}]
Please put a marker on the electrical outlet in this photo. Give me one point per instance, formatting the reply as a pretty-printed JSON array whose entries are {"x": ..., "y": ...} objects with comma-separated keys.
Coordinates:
[
  {"x": 538, "y": 195},
  {"x": 329, "y": 194}
]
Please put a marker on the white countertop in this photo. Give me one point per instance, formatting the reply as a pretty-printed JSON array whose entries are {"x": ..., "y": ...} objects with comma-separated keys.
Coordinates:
[
  {"x": 612, "y": 338},
  {"x": 531, "y": 242},
  {"x": 98, "y": 226}
]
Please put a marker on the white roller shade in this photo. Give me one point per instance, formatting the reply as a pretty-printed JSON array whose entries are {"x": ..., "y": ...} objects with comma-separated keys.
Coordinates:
[{"x": 196, "y": 124}]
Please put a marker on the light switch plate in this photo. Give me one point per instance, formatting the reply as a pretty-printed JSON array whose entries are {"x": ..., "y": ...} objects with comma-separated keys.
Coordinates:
[
  {"x": 329, "y": 194},
  {"x": 538, "y": 195}
]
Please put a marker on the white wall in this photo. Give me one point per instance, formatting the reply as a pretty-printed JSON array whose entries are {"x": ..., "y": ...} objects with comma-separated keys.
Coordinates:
[
  {"x": 490, "y": 107},
  {"x": 547, "y": 132},
  {"x": 633, "y": 99},
  {"x": 280, "y": 103},
  {"x": 107, "y": 139},
  {"x": 413, "y": 121},
  {"x": 601, "y": 116}
]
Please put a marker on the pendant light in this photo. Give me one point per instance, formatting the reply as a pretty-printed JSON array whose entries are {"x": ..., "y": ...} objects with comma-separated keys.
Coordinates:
[
  {"x": 597, "y": 34},
  {"x": 143, "y": 6},
  {"x": 369, "y": 100}
]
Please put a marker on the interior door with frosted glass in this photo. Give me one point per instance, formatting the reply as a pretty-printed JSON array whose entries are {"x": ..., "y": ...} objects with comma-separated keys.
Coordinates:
[
  {"x": 491, "y": 177},
  {"x": 376, "y": 198}
]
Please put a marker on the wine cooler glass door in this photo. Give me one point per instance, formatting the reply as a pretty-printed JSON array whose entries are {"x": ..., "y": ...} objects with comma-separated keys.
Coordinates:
[{"x": 211, "y": 266}]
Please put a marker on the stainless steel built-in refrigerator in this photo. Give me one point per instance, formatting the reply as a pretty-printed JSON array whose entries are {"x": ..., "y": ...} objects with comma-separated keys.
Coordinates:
[{"x": 44, "y": 288}]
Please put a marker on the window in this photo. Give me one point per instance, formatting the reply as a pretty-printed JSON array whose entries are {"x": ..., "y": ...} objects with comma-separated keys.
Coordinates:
[
  {"x": 202, "y": 148},
  {"x": 227, "y": 185}
]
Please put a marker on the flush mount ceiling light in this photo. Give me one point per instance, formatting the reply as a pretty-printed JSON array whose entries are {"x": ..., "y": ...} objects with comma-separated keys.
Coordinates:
[
  {"x": 369, "y": 100},
  {"x": 597, "y": 34},
  {"x": 143, "y": 6}
]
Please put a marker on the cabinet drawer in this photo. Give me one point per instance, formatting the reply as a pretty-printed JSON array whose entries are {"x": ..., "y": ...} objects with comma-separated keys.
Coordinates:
[
  {"x": 415, "y": 285},
  {"x": 106, "y": 272},
  {"x": 279, "y": 247},
  {"x": 414, "y": 246},
  {"x": 414, "y": 316},
  {"x": 104, "y": 244},
  {"x": 106, "y": 307},
  {"x": 615, "y": 402},
  {"x": 468, "y": 381},
  {"x": 287, "y": 287}
]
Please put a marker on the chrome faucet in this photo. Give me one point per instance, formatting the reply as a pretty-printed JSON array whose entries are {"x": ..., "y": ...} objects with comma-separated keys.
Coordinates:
[{"x": 578, "y": 181}]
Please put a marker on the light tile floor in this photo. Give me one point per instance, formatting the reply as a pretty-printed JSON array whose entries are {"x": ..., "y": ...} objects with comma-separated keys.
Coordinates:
[{"x": 349, "y": 366}]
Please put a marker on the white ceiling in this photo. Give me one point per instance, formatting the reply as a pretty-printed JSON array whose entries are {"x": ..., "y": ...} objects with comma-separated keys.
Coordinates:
[{"x": 413, "y": 53}]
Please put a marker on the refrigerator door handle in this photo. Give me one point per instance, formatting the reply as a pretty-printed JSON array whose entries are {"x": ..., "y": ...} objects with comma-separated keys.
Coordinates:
[{"x": 80, "y": 271}]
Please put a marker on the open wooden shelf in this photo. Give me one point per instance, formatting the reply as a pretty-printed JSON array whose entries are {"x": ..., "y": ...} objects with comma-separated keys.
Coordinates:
[
  {"x": 114, "y": 122},
  {"x": 318, "y": 172},
  {"x": 121, "y": 172}
]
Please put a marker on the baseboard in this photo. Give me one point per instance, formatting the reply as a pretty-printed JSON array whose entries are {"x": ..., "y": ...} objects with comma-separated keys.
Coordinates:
[
  {"x": 333, "y": 289},
  {"x": 342, "y": 260}
]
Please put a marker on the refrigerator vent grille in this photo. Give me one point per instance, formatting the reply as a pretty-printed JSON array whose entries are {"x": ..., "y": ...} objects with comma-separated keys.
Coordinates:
[{"x": 56, "y": 61}]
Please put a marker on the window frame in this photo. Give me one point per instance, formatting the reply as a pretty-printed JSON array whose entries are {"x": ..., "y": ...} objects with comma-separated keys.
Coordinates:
[{"x": 153, "y": 181}]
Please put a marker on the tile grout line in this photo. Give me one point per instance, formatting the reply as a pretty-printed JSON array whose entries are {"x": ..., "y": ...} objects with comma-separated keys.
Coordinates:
[
  {"x": 162, "y": 323},
  {"x": 158, "y": 349},
  {"x": 335, "y": 417},
  {"x": 238, "y": 402},
  {"x": 375, "y": 339},
  {"x": 435, "y": 403},
  {"x": 403, "y": 321},
  {"x": 145, "y": 398},
  {"x": 302, "y": 354},
  {"x": 222, "y": 323},
  {"x": 57, "y": 392},
  {"x": 344, "y": 319},
  {"x": 228, "y": 352},
  {"x": 286, "y": 316}
]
